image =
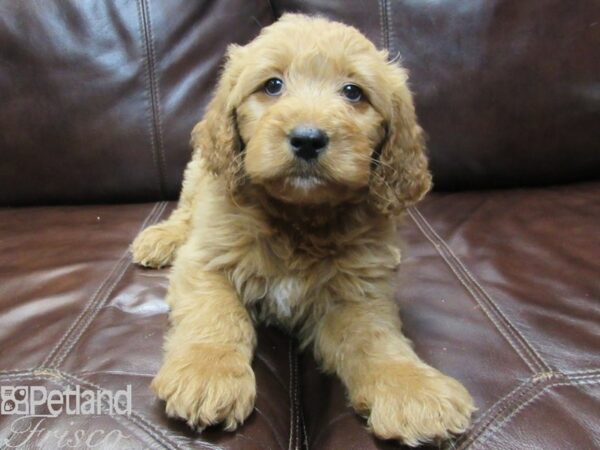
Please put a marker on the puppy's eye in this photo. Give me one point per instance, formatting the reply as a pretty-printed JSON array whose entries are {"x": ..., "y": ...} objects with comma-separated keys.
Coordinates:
[
  {"x": 352, "y": 92},
  {"x": 274, "y": 86}
]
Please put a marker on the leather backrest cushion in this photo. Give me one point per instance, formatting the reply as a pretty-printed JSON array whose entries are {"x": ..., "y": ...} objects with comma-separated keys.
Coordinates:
[
  {"x": 508, "y": 91},
  {"x": 97, "y": 98}
]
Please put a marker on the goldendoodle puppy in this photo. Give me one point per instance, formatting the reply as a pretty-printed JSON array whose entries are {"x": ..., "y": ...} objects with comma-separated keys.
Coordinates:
[{"x": 308, "y": 151}]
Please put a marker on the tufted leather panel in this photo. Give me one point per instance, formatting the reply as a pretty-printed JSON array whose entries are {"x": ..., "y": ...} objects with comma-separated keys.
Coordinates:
[
  {"x": 98, "y": 98},
  {"x": 74, "y": 310},
  {"x": 507, "y": 91},
  {"x": 499, "y": 289}
]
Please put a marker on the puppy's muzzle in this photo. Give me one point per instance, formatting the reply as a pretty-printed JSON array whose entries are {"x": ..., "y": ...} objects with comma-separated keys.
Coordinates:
[{"x": 308, "y": 142}]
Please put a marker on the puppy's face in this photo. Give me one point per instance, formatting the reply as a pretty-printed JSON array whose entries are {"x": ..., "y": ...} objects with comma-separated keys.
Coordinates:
[
  {"x": 314, "y": 107},
  {"x": 307, "y": 120}
]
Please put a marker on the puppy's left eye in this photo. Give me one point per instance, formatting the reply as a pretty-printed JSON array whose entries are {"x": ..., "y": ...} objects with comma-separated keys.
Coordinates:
[
  {"x": 352, "y": 92},
  {"x": 273, "y": 86}
]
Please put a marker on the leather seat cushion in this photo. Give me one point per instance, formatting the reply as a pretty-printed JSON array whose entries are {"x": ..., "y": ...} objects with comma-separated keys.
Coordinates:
[{"x": 498, "y": 289}]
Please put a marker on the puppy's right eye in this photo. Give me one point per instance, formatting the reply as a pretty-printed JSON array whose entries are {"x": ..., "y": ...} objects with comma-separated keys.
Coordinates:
[{"x": 274, "y": 86}]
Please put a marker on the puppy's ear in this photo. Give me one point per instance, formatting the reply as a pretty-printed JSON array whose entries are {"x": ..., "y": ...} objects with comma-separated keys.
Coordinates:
[
  {"x": 216, "y": 137},
  {"x": 400, "y": 176}
]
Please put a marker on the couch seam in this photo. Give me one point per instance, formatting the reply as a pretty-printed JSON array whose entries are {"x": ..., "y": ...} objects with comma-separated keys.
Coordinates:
[
  {"x": 48, "y": 361},
  {"x": 302, "y": 420},
  {"x": 582, "y": 372},
  {"x": 511, "y": 400},
  {"x": 55, "y": 348},
  {"x": 383, "y": 23},
  {"x": 390, "y": 27},
  {"x": 534, "y": 354},
  {"x": 292, "y": 437},
  {"x": 297, "y": 401},
  {"x": 530, "y": 356},
  {"x": 156, "y": 432},
  {"x": 64, "y": 352},
  {"x": 53, "y": 356},
  {"x": 490, "y": 431},
  {"x": 495, "y": 411},
  {"x": 125, "y": 262},
  {"x": 152, "y": 92}
]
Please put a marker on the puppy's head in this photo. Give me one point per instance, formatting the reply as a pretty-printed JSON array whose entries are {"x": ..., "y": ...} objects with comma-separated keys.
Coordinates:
[{"x": 314, "y": 114}]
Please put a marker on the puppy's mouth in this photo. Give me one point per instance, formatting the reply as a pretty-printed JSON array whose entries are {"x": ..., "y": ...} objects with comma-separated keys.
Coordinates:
[
  {"x": 297, "y": 185},
  {"x": 308, "y": 189},
  {"x": 305, "y": 182}
]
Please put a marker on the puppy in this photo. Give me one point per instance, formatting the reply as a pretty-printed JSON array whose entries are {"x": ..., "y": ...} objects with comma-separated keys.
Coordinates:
[{"x": 307, "y": 153}]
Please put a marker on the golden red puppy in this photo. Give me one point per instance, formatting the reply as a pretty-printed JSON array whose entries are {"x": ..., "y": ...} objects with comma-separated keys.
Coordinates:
[{"x": 307, "y": 154}]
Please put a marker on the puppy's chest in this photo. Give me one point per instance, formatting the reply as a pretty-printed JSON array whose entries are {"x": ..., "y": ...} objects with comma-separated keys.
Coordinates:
[
  {"x": 278, "y": 284},
  {"x": 284, "y": 296}
]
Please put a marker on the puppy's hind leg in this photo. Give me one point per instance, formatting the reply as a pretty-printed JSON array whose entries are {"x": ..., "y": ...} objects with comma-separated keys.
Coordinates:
[{"x": 156, "y": 246}]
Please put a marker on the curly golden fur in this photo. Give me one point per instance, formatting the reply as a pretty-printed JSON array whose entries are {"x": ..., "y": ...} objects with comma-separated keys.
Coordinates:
[{"x": 261, "y": 235}]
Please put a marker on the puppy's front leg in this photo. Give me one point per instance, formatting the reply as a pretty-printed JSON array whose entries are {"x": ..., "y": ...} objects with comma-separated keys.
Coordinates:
[
  {"x": 206, "y": 376},
  {"x": 402, "y": 397}
]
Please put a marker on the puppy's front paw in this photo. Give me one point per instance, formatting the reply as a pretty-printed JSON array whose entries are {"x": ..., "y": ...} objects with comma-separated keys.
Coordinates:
[
  {"x": 207, "y": 387},
  {"x": 413, "y": 403},
  {"x": 156, "y": 246}
]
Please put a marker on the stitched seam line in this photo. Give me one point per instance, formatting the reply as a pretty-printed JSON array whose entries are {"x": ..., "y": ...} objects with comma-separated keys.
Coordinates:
[
  {"x": 297, "y": 401},
  {"x": 533, "y": 353},
  {"x": 301, "y": 410},
  {"x": 49, "y": 361},
  {"x": 100, "y": 300},
  {"x": 492, "y": 412},
  {"x": 390, "y": 25},
  {"x": 492, "y": 431},
  {"x": 291, "y": 399},
  {"x": 57, "y": 354},
  {"x": 156, "y": 137},
  {"x": 381, "y": 32},
  {"x": 140, "y": 421},
  {"x": 512, "y": 400},
  {"x": 51, "y": 356},
  {"x": 582, "y": 372},
  {"x": 488, "y": 306},
  {"x": 124, "y": 266},
  {"x": 503, "y": 406},
  {"x": 15, "y": 373},
  {"x": 383, "y": 23}
]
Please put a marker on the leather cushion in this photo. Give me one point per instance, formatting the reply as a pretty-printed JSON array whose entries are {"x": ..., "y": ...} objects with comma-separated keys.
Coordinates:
[
  {"x": 74, "y": 310},
  {"x": 500, "y": 290}
]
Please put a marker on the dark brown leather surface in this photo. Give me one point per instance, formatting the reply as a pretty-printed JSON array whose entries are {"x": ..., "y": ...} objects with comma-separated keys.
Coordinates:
[
  {"x": 499, "y": 289},
  {"x": 98, "y": 98},
  {"x": 75, "y": 310},
  {"x": 506, "y": 90}
]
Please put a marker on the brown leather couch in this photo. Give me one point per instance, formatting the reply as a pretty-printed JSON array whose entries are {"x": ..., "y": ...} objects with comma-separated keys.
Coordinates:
[{"x": 500, "y": 285}]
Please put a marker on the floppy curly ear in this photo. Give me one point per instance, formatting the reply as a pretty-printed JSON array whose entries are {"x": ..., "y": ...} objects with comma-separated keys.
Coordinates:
[
  {"x": 400, "y": 177},
  {"x": 216, "y": 137}
]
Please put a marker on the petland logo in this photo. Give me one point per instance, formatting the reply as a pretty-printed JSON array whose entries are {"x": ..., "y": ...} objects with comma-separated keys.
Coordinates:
[{"x": 40, "y": 402}]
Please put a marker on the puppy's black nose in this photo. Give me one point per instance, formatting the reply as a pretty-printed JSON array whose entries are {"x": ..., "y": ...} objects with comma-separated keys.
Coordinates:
[{"x": 308, "y": 142}]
